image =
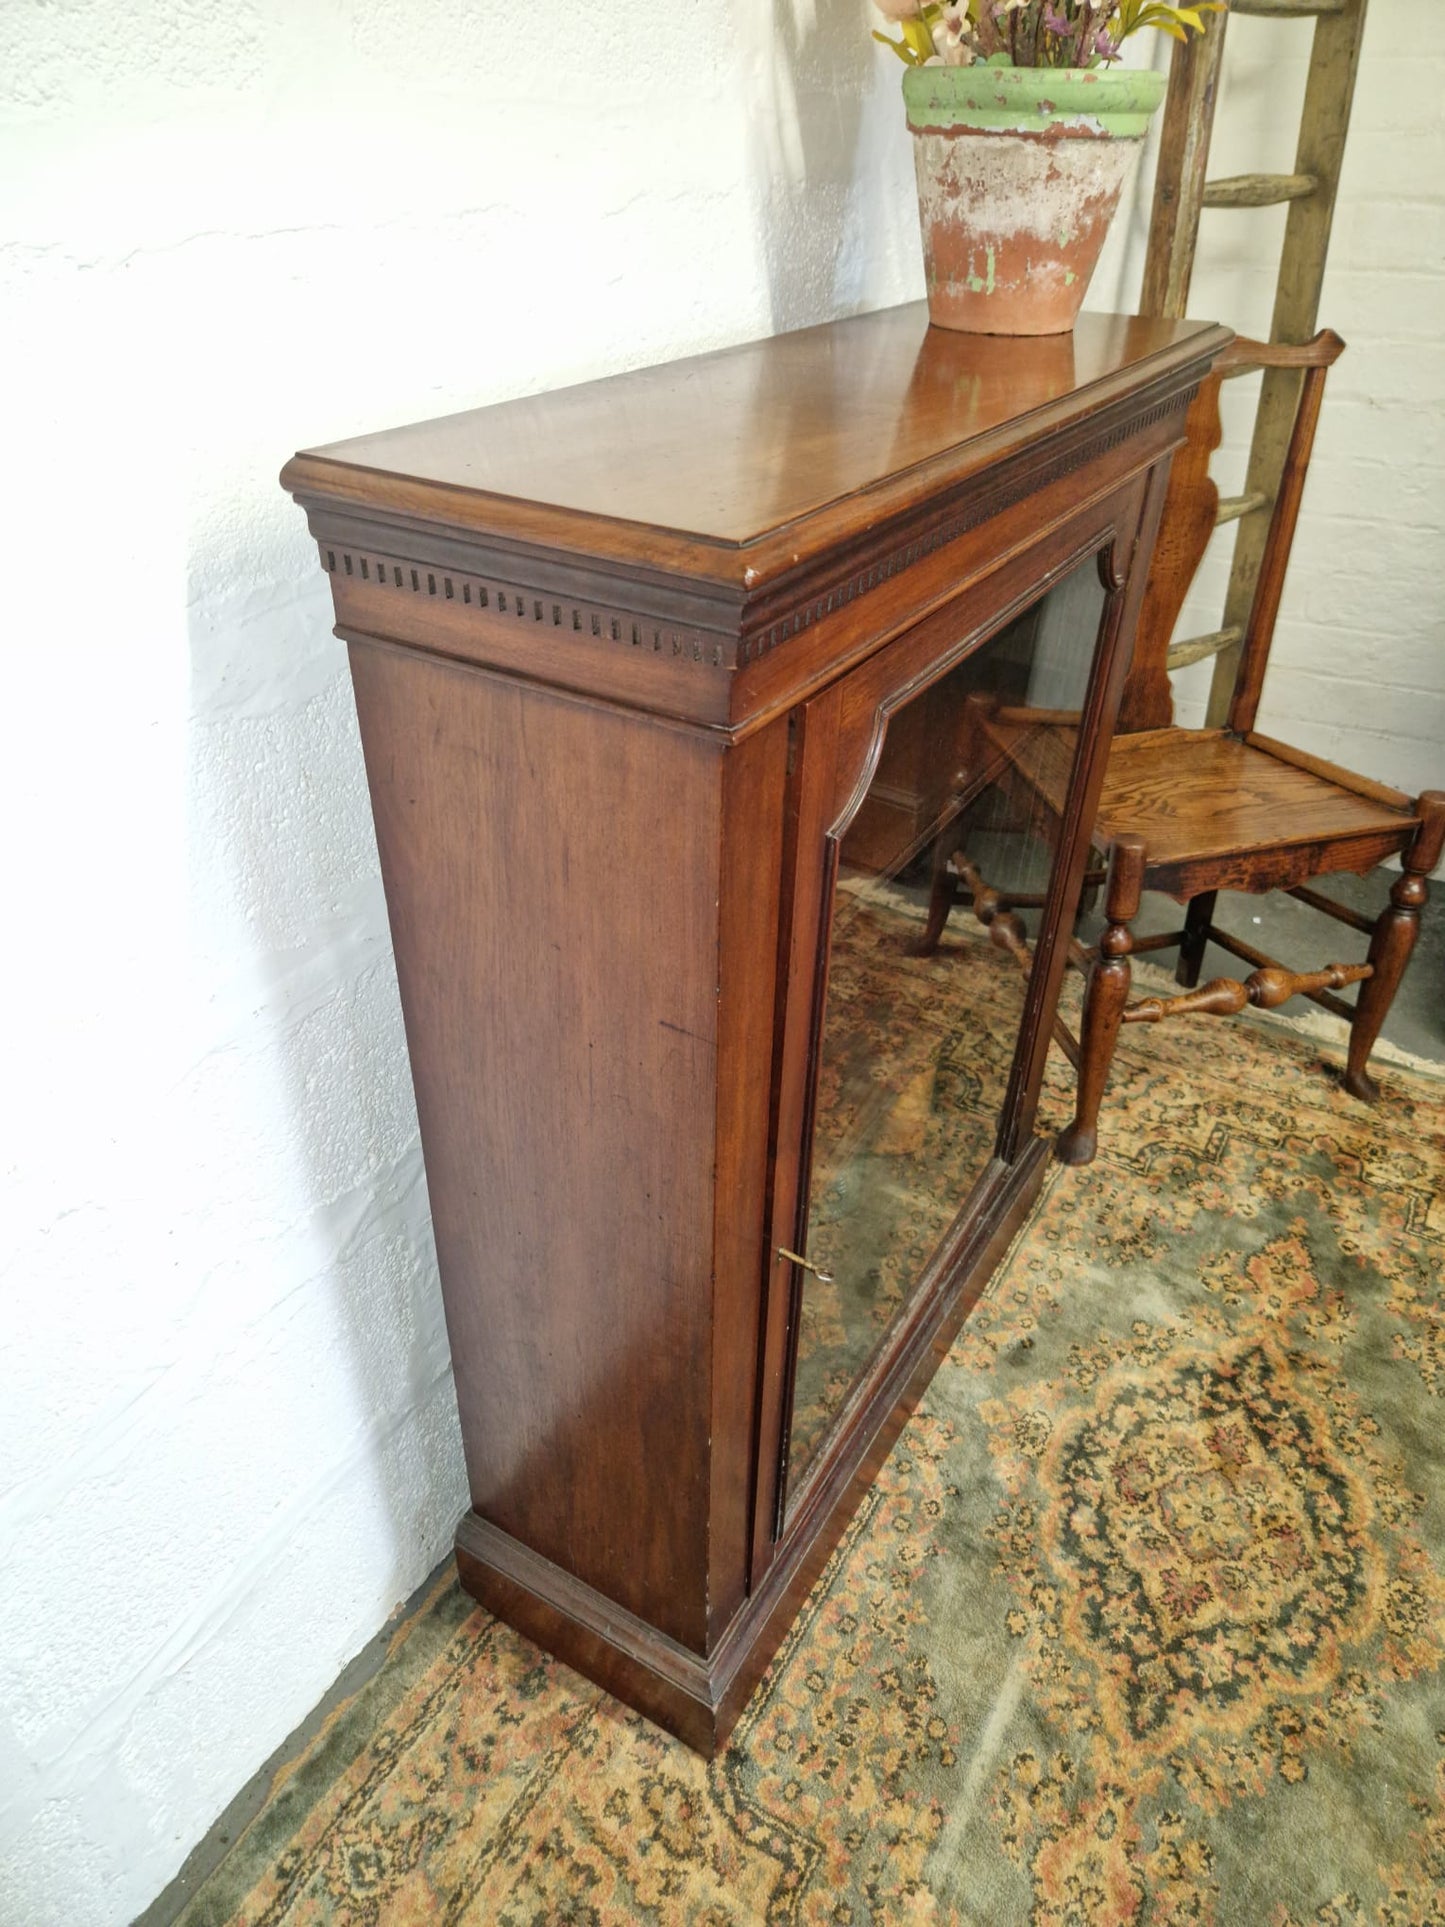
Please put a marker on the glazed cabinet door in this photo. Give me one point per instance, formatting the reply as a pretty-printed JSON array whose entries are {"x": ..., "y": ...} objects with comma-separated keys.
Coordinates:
[{"x": 938, "y": 847}]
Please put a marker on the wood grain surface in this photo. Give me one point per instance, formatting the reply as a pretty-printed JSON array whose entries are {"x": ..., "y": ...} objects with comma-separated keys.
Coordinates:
[
  {"x": 732, "y": 463},
  {"x": 1201, "y": 792}
]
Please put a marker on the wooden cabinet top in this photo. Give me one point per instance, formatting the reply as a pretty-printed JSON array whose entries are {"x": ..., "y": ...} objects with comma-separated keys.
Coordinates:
[{"x": 738, "y": 467}]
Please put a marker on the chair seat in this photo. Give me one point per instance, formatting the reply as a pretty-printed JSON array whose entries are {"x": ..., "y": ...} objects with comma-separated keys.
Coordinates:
[
  {"x": 1193, "y": 794},
  {"x": 1214, "y": 810}
]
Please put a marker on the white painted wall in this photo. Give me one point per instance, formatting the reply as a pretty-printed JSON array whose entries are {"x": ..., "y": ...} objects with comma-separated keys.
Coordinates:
[
  {"x": 228, "y": 1439},
  {"x": 227, "y": 1432},
  {"x": 1358, "y": 668}
]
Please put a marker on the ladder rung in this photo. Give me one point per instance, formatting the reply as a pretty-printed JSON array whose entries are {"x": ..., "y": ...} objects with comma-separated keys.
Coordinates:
[
  {"x": 1232, "y": 507},
  {"x": 1259, "y": 190},
  {"x": 1287, "y": 9},
  {"x": 1199, "y": 648}
]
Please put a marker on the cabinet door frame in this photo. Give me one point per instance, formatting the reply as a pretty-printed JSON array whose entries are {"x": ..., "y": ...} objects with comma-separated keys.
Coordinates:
[{"x": 837, "y": 739}]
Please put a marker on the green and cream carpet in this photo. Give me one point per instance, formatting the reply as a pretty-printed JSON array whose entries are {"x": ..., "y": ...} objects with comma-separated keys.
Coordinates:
[{"x": 1144, "y": 1620}]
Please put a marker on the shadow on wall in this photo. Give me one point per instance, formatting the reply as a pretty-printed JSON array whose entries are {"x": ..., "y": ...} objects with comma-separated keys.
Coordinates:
[
  {"x": 832, "y": 165},
  {"x": 352, "y": 1379}
]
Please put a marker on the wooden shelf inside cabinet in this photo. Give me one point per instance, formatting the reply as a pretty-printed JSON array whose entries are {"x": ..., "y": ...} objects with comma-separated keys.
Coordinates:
[{"x": 673, "y": 692}]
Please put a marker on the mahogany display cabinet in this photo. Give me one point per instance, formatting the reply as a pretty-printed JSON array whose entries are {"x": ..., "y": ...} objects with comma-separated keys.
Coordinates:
[{"x": 671, "y": 690}]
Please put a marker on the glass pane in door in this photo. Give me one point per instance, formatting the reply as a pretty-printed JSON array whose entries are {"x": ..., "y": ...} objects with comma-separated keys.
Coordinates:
[{"x": 939, "y": 895}]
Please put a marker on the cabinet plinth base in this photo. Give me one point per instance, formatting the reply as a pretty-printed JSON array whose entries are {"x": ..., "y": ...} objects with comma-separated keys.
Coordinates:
[
  {"x": 675, "y": 1688},
  {"x": 699, "y": 1698}
]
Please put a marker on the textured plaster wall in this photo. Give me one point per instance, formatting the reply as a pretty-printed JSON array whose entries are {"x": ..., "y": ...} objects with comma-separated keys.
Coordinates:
[
  {"x": 1358, "y": 670},
  {"x": 228, "y": 1437}
]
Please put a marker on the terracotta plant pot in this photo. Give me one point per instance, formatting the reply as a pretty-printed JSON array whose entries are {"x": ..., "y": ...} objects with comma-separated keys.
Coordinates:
[{"x": 1020, "y": 172}]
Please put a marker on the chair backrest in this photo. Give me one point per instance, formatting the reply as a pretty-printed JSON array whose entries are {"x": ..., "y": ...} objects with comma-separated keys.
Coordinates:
[{"x": 1191, "y": 511}]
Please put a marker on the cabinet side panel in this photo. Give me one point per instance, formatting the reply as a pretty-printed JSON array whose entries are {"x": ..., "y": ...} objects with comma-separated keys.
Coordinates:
[{"x": 551, "y": 876}]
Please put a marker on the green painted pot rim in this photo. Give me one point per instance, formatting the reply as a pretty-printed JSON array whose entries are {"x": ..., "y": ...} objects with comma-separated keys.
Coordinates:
[{"x": 1116, "y": 101}]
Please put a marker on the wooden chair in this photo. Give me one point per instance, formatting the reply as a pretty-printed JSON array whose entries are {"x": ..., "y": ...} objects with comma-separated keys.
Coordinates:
[
  {"x": 1195, "y": 811},
  {"x": 1191, "y": 812}
]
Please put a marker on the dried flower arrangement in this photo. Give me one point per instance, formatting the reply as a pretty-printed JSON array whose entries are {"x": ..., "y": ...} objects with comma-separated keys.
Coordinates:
[{"x": 1030, "y": 33}]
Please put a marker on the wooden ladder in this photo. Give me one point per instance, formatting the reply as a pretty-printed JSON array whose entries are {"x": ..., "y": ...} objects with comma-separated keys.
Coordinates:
[{"x": 1181, "y": 192}]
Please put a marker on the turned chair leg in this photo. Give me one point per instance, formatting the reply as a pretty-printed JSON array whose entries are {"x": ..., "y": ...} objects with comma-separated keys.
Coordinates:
[
  {"x": 941, "y": 899},
  {"x": 1104, "y": 998},
  {"x": 1197, "y": 919},
  {"x": 1394, "y": 939}
]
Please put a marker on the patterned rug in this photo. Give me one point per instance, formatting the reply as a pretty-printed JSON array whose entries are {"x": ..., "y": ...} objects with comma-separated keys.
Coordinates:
[{"x": 1142, "y": 1622}]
